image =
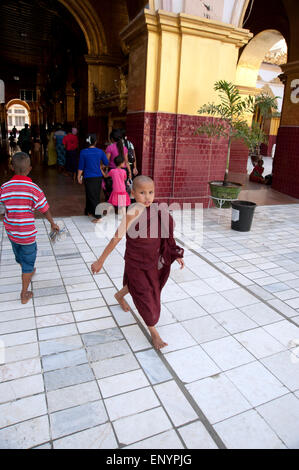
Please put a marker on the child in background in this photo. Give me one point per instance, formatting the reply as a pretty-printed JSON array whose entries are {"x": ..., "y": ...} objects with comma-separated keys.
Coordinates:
[
  {"x": 148, "y": 256},
  {"x": 256, "y": 174},
  {"x": 21, "y": 197},
  {"x": 119, "y": 197}
]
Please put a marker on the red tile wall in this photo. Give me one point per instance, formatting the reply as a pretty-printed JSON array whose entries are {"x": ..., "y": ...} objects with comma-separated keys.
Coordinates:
[
  {"x": 238, "y": 157},
  {"x": 181, "y": 162},
  {"x": 286, "y": 162}
]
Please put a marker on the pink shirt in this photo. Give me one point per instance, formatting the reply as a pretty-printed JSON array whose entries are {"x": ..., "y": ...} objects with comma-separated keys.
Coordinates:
[
  {"x": 119, "y": 177},
  {"x": 113, "y": 150}
]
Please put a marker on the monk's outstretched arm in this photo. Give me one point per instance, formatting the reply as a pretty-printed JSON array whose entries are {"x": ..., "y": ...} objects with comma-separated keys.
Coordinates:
[{"x": 120, "y": 232}]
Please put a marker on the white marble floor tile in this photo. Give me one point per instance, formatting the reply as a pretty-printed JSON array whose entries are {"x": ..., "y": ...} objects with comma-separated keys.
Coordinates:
[
  {"x": 282, "y": 415},
  {"x": 285, "y": 366},
  {"x": 192, "y": 364},
  {"x": 19, "y": 353},
  {"x": 175, "y": 336},
  {"x": 218, "y": 398},
  {"x": 165, "y": 440},
  {"x": 20, "y": 388},
  {"x": 261, "y": 313},
  {"x": 72, "y": 396},
  {"x": 26, "y": 435},
  {"x": 91, "y": 314},
  {"x": 172, "y": 292},
  {"x": 175, "y": 403},
  {"x": 285, "y": 332},
  {"x": 239, "y": 297},
  {"x": 214, "y": 303},
  {"x": 196, "y": 436},
  {"x": 195, "y": 288},
  {"x": 99, "y": 437},
  {"x": 122, "y": 318},
  {"x": 131, "y": 403},
  {"x": 94, "y": 325},
  {"x": 204, "y": 329},
  {"x": 22, "y": 409},
  {"x": 234, "y": 321},
  {"x": 140, "y": 426},
  {"x": 135, "y": 337},
  {"x": 125, "y": 382},
  {"x": 77, "y": 419},
  {"x": 89, "y": 303},
  {"x": 185, "y": 309},
  {"x": 248, "y": 431},
  {"x": 221, "y": 283},
  {"x": 15, "y": 339},
  {"x": 54, "y": 320},
  {"x": 19, "y": 369},
  {"x": 115, "y": 365},
  {"x": 256, "y": 383},
  {"x": 49, "y": 309},
  {"x": 16, "y": 326},
  {"x": 227, "y": 353},
  {"x": 259, "y": 342},
  {"x": 57, "y": 331}
]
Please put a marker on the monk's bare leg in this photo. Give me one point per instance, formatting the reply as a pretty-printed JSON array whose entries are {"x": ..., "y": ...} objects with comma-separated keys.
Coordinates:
[
  {"x": 120, "y": 298},
  {"x": 156, "y": 338}
]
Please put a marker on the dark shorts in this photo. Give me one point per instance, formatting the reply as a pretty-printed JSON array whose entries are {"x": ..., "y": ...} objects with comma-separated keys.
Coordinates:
[{"x": 25, "y": 256}]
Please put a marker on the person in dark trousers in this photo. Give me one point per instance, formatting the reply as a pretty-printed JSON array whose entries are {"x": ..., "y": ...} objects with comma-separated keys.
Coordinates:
[{"x": 89, "y": 170}]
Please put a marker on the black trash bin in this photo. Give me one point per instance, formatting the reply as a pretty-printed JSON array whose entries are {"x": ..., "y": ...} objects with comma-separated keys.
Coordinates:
[{"x": 242, "y": 215}]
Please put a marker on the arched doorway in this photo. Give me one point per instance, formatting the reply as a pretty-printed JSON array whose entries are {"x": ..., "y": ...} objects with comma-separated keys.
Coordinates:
[{"x": 17, "y": 114}]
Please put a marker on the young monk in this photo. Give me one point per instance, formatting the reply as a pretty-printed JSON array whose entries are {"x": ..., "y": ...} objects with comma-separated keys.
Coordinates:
[{"x": 148, "y": 255}]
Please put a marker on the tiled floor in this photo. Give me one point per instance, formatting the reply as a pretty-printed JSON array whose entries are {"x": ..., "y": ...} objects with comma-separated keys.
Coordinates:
[{"x": 78, "y": 372}]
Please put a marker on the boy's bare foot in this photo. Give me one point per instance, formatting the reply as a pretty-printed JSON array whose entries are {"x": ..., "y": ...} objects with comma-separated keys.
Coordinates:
[
  {"x": 158, "y": 342},
  {"x": 122, "y": 302},
  {"x": 96, "y": 221},
  {"x": 26, "y": 297}
]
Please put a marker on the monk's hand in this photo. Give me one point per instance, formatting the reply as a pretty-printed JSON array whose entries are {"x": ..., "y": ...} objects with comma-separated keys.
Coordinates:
[
  {"x": 181, "y": 262},
  {"x": 96, "y": 266}
]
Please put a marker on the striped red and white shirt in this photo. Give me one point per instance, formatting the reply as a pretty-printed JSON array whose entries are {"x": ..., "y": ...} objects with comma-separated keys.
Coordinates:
[{"x": 21, "y": 197}]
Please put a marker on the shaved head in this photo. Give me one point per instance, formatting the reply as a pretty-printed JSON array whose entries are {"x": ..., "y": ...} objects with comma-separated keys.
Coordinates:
[{"x": 140, "y": 180}]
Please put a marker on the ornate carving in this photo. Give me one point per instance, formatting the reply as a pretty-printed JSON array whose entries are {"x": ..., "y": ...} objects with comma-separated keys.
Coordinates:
[
  {"x": 115, "y": 98},
  {"x": 276, "y": 57}
]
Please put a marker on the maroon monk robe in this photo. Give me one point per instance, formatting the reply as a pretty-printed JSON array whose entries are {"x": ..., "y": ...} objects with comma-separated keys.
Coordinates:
[{"x": 148, "y": 260}]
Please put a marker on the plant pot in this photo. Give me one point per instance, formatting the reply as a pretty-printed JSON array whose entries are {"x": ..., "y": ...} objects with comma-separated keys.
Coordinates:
[{"x": 220, "y": 193}]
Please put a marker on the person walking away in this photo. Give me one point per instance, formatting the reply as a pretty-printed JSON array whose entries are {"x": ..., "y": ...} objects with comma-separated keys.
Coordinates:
[
  {"x": 71, "y": 143},
  {"x": 24, "y": 140},
  {"x": 119, "y": 197},
  {"x": 89, "y": 170},
  {"x": 131, "y": 154},
  {"x": 21, "y": 197},
  {"x": 12, "y": 143},
  {"x": 148, "y": 256},
  {"x": 60, "y": 149}
]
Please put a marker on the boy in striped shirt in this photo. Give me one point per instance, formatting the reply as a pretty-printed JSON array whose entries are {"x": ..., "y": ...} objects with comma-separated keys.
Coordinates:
[{"x": 21, "y": 197}]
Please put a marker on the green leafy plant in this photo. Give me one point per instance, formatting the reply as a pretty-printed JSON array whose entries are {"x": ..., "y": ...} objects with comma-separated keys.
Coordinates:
[{"x": 229, "y": 117}]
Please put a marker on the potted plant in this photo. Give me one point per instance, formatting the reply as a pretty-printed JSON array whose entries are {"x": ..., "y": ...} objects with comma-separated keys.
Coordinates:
[{"x": 229, "y": 121}]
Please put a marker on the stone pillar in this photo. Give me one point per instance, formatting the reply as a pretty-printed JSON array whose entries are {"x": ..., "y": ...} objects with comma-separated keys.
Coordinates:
[
  {"x": 103, "y": 73},
  {"x": 168, "y": 82},
  {"x": 286, "y": 160}
]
